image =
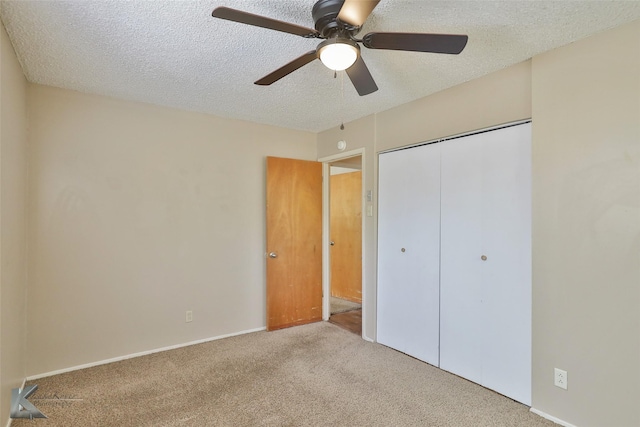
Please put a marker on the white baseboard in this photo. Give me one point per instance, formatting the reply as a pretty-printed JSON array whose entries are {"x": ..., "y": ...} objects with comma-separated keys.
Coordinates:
[
  {"x": 142, "y": 353},
  {"x": 551, "y": 418}
]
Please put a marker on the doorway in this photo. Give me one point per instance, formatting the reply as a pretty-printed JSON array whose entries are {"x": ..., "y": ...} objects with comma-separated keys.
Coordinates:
[{"x": 345, "y": 243}]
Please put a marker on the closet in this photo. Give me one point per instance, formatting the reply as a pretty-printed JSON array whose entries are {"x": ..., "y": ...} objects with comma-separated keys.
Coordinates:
[
  {"x": 454, "y": 256},
  {"x": 408, "y": 251}
]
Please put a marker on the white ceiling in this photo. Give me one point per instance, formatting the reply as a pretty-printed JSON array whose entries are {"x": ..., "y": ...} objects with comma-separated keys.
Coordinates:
[{"x": 174, "y": 53}]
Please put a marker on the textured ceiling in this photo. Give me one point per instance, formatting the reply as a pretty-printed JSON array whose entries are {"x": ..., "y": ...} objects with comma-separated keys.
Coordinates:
[{"x": 174, "y": 53}]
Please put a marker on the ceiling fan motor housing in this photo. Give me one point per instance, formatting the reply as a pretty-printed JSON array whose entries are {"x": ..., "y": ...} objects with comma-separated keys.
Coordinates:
[{"x": 325, "y": 13}]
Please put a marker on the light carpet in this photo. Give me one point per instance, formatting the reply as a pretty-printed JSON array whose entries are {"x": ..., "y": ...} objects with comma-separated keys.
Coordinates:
[{"x": 313, "y": 375}]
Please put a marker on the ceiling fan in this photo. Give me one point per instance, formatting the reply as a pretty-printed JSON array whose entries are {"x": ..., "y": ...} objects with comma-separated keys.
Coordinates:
[{"x": 338, "y": 22}]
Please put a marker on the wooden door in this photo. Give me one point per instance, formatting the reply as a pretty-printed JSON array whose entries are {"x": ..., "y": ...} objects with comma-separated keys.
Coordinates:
[
  {"x": 294, "y": 242},
  {"x": 345, "y": 222},
  {"x": 408, "y": 251}
]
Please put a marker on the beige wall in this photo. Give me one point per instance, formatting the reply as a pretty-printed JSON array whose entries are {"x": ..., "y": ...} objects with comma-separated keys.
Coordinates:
[
  {"x": 585, "y": 103},
  {"x": 501, "y": 97},
  {"x": 586, "y": 229},
  {"x": 360, "y": 134},
  {"x": 139, "y": 213},
  {"x": 13, "y": 226}
]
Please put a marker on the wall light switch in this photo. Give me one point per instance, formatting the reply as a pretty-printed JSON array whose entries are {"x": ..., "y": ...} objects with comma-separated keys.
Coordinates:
[
  {"x": 369, "y": 196},
  {"x": 369, "y": 210}
]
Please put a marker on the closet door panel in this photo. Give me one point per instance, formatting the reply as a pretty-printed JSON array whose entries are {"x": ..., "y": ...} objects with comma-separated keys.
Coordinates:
[
  {"x": 461, "y": 319},
  {"x": 506, "y": 205},
  {"x": 408, "y": 251}
]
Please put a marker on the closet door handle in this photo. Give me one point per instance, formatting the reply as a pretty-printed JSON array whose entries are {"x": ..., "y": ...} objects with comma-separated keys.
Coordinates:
[{"x": 483, "y": 257}]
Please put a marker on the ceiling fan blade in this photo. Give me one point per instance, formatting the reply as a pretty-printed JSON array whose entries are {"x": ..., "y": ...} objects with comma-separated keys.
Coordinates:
[
  {"x": 287, "y": 69},
  {"x": 262, "y": 21},
  {"x": 356, "y": 12},
  {"x": 416, "y": 42},
  {"x": 361, "y": 77}
]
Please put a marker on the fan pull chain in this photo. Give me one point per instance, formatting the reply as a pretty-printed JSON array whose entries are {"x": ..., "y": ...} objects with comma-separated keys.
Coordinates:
[{"x": 342, "y": 100}]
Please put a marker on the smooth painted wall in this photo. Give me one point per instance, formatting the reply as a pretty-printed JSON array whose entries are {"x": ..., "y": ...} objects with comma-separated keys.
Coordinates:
[
  {"x": 500, "y": 97},
  {"x": 13, "y": 224},
  {"x": 584, "y": 100},
  {"x": 497, "y": 98},
  {"x": 360, "y": 134},
  {"x": 586, "y": 229},
  {"x": 139, "y": 213}
]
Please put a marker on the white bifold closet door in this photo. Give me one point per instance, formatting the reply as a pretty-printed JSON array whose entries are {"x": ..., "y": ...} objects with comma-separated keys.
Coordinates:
[
  {"x": 485, "y": 294},
  {"x": 408, "y": 251}
]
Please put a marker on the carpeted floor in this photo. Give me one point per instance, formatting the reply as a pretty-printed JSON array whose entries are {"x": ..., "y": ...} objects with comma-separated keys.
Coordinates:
[
  {"x": 313, "y": 375},
  {"x": 339, "y": 305}
]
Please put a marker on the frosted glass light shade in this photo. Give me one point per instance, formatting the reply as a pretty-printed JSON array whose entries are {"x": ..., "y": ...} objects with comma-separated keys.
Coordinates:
[{"x": 338, "y": 56}]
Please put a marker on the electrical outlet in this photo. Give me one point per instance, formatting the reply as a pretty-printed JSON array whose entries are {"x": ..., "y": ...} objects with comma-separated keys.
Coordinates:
[
  {"x": 189, "y": 317},
  {"x": 560, "y": 378}
]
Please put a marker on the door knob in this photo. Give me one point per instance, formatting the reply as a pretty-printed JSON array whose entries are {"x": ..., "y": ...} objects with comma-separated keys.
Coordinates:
[
  {"x": 402, "y": 250},
  {"x": 483, "y": 257},
  {"x": 332, "y": 243},
  {"x": 273, "y": 255}
]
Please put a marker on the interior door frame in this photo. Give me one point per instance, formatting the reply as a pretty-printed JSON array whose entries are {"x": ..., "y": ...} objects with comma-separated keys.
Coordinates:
[{"x": 326, "y": 266}]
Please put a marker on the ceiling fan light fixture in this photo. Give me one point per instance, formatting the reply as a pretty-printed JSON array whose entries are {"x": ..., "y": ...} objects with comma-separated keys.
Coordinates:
[
  {"x": 337, "y": 22},
  {"x": 338, "y": 54}
]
